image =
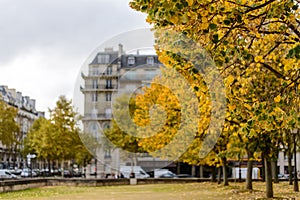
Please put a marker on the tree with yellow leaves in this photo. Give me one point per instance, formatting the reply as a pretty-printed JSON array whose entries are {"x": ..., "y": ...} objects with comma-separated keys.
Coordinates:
[{"x": 251, "y": 42}]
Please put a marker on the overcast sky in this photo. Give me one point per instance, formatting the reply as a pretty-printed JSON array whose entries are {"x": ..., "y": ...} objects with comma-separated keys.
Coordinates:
[{"x": 44, "y": 43}]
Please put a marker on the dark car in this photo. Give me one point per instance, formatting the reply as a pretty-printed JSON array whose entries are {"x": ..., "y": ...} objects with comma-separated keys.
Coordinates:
[
  {"x": 184, "y": 176},
  {"x": 68, "y": 173},
  {"x": 45, "y": 173},
  {"x": 168, "y": 175},
  {"x": 77, "y": 173}
]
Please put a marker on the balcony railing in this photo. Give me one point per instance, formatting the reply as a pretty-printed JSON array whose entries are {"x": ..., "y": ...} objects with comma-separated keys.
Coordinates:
[
  {"x": 104, "y": 74},
  {"x": 101, "y": 117},
  {"x": 99, "y": 88}
]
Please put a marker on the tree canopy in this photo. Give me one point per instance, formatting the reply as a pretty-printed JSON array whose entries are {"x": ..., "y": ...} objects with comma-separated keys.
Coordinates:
[{"x": 255, "y": 46}]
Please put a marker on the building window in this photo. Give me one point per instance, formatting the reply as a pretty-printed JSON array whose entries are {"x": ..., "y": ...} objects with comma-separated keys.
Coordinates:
[
  {"x": 109, "y": 70},
  {"x": 94, "y": 113},
  {"x": 95, "y": 84},
  {"x": 94, "y": 129},
  {"x": 94, "y": 97},
  {"x": 108, "y": 83},
  {"x": 103, "y": 59},
  {"x": 108, "y": 113},
  {"x": 108, "y": 96},
  {"x": 107, "y": 153},
  {"x": 150, "y": 60},
  {"x": 95, "y": 71},
  {"x": 131, "y": 61}
]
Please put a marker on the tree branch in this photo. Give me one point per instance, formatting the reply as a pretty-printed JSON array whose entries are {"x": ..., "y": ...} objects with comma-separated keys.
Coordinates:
[
  {"x": 258, "y": 7},
  {"x": 294, "y": 29},
  {"x": 278, "y": 74},
  {"x": 244, "y": 5}
]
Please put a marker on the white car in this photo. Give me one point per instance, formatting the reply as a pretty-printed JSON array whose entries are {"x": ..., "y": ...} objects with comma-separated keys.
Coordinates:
[
  {"x": 137, "y": 170},
  {"x": 5, "y": 174},
  {"x": 26, "y": 172}
]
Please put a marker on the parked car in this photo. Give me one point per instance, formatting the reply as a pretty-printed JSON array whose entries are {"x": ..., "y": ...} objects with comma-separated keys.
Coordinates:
[
  {"x": 67, "y": 173},
  {"x": 16, "y": 171},
  {"x": 45, "y": 173},
  {"x": 184, "y": 176},
  {"x": 37, "y": 172},
  {"x": 133, "y": 172},
  {"x": 6, "y": 174},
  {"x": 168, "y": 175},
  {"x": 26, "y": 172},
  {"x": 283, "y": 176},
  {"x": 159, "y": 172},
  {"x": 77, "y": 173}
]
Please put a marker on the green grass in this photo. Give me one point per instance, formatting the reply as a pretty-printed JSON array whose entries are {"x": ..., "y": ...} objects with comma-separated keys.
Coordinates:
[{"x": 197, "y": 191}]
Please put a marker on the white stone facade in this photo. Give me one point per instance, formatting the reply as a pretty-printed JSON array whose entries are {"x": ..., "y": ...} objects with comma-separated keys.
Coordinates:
[{"x": 27, "y": 114}]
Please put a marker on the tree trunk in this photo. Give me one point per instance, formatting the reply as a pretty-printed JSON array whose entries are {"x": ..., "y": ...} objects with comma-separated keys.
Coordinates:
[
  {"x": 274, "y": 170},
  {"x": 49, "y": 166},
  {"x": 193, "y": 171},
  {"x": 178, "y": 168},
  {"x": 62, "y": 168},
  {"x": 249, "y": 185},
  {"x": 201, "y": 171},
  {"x": 268, "y": 176},
  {"x": 296, "y": 186},
  {"x": 213, "y": 174},
  {"x": 219, "y": 175},
  {"x": 263, "y": 171},
  {"x": 290, "y": 168},
  {"x": 225, "y": 178}
]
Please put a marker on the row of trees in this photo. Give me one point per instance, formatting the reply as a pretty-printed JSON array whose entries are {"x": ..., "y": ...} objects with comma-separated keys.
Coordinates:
[
  {"x": 54, "y": 139},
  {"x": 10, "y": 134},
  {"x": 57, "y": 138},
  {"x": 255, "y": 46}
]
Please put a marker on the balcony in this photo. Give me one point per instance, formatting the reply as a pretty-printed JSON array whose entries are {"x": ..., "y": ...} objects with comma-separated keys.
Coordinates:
[
  {"x": 98, "y": 117},
  {"x": 99, "y": 88},
  {"x": 103, "y": 74}
]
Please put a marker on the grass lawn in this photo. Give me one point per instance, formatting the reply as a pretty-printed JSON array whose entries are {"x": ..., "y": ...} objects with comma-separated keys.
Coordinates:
[{"x": 197, "y": 191}]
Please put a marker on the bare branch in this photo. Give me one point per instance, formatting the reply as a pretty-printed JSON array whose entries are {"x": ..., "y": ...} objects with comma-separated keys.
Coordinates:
[
  {"x": 278, "y": 74},
  {"x": 260, "y": 6}
]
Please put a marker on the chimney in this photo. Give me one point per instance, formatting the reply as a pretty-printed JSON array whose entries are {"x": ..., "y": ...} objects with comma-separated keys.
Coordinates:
[
  {"x": 108, "y": 49},
  {"x": 120, "y": 52},
  {"x": 32, "y": 103},
  {"x": 13, "y": 92}
]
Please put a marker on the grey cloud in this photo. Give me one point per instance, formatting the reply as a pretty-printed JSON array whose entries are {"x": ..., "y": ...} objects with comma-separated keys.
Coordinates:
[
  {"x": 71, "y": 25},
  {"x": 56, "y": 36}
]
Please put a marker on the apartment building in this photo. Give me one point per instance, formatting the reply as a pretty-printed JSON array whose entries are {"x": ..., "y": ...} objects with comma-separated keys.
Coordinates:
[
  {"x": 26, "y": 115},
  {"x": 112, "y": 71}
]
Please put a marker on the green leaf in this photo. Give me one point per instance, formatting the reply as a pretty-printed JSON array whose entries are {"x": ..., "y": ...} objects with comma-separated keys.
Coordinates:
[
  {"x": 215, "y": 38},
  {"x": 227, "y": 22},
  {"x": 213, "y": 26},
  {"x": 295, "y": 7},
  {"x": 144, "y": 8}
]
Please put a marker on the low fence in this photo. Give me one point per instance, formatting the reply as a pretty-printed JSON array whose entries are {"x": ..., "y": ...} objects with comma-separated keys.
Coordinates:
[{"x": 22, "y": 184}]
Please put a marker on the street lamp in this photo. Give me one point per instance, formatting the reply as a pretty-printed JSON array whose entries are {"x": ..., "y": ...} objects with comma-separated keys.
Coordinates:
[
  {"x": 29, "y": 157},
  {"x": 296, "y": 186}
]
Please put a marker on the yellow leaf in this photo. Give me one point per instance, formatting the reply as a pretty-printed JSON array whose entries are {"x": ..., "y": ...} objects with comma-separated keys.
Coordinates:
[
  {"x": 230, "y": 79},
  {"x": 174, "y": 19},
  {"x": 231, "y": 107},
  {"x": 277, "y": 99},
  {"x": 190, "y": 2},
  {"x": 247, "y": 106},
  {"x": 258, "y": 59}
]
